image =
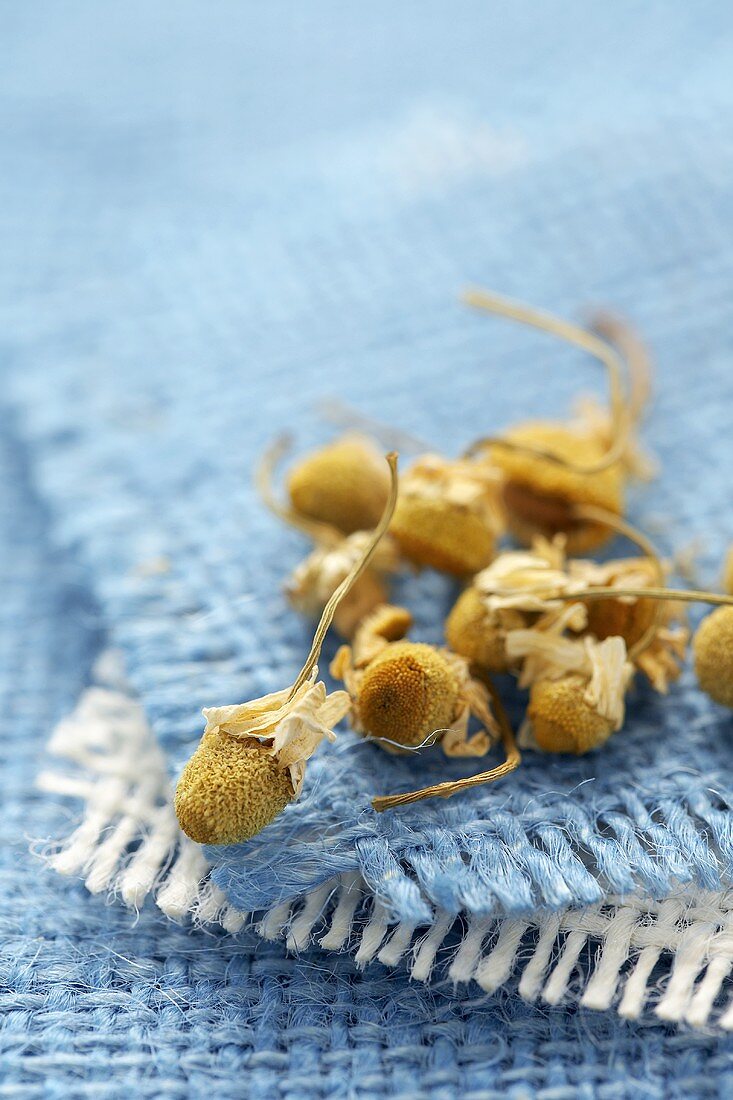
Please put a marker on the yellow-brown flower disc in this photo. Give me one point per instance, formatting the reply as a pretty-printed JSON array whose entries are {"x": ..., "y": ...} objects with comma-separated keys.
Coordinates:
[
  {"x": 442, "y": 535},
  {"x": 229, "y": 790},
  {"x": 472, "y": 631},
  {"x": 728, "y": 573},
  {"x": 561, "y": 719},
  {"x": 713, "y": 650},
  {"x": 345, "y": 484},
  {"x": 407, "y": 693},
  {"x": 539, "y": 494}
]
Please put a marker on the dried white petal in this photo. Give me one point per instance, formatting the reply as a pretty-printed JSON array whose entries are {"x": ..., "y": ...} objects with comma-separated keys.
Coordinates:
[
  {"x": 314, "y": 581},
  {"x": 550, "y": 656},
  {"x": 609, "y": 678},
  {"x": 527, "y": 580},
  {"x": 545, "y": 655},
  {"x": 290, "y": 729}
]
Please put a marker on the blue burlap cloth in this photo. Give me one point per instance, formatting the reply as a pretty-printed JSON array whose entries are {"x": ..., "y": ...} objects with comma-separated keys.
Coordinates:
[
  {"x": 147, "y": 395},
  {"x": 194, "y": 259},
  {"x": 95, "y": 1004}
]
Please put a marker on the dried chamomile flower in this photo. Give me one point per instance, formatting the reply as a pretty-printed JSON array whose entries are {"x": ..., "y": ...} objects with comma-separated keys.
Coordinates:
[
  {"x": 539, "y": 496},
  {"x": 406, "y": 695},
  {"x": 713, "y": 650},
  {"x": 478, "y": 634},
  {"x": 542, "y": 581},
  {"x": 549, "y": 468},
  {"x": 447, "y": 515},
  {"x": 251, "y": 760},
  {"x": 728, "y": 573},
  {"x": 313, "y": 582},
  {"x": 561, "y": 718},
  {"x": 504, "y": 597},
  {"x": 712, "y": 644},
  {"x": 577, "y": 697},
  {"x": 653, "y": 630},
  {"x": 344, "y": 485},
  {"x": 316, "y": 578}
]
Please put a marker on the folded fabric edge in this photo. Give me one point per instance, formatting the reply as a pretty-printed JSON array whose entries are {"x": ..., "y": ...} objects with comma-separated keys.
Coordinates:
[{"x": 672, "y": 955}]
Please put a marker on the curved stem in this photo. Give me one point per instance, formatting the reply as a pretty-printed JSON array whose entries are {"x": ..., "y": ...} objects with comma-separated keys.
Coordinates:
[
  {"x": 322, "y": 533},
  {"x": 579, "y": 337},
  {"x": 622, "y": 336},
  {"x": 350, "y": 580},
  {"x": 446, "y": 790}
]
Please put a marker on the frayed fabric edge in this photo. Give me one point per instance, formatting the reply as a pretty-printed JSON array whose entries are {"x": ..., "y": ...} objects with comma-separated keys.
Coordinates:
[{"x": 672, "y": 956}]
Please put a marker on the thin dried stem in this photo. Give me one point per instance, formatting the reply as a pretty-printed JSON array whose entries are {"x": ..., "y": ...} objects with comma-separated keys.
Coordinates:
[
  {"x": 446, "y": 790},
  {"x": 626, "y": 339},
  {"x": 586, "y": 341},
  {"x": 322, "y": 533},
  {"x": 682, "y": 595},
  {"x": 350, "y": 580}
]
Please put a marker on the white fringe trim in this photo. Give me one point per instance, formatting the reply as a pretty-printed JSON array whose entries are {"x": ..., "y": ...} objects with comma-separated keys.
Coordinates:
[{"x": 674, "y": 956}]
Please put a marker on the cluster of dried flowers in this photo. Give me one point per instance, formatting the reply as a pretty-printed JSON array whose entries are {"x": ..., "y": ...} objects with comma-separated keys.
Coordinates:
[{"x": 572, "y": 630}]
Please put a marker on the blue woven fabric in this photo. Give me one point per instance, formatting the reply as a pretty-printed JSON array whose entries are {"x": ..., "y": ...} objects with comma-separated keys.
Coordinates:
[
  {"x": 194, "y": 257},
  {"x": 179, "y": 340},
  {"x": 97, "y": 1003}
]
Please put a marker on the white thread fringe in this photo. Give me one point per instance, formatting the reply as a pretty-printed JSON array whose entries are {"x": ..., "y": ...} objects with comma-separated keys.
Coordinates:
[
  {"x": 128, "y": 842},
  {"x": 674, "y": 956}
]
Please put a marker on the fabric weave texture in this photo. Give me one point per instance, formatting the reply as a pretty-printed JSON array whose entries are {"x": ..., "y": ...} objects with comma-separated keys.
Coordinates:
[
  {"x": 182, "y": 282},
  {"x": 153, "y": 460},
  {"x": 96, "y": 1004}
]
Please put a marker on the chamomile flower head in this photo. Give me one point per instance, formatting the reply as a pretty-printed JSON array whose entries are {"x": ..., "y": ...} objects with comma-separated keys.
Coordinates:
[
  {"x": 230, "y": 790},
  {"x": 577, "y": 693},
  {"x": 447, "y": 516},
  {"x": 561, "y": 718},
  {"x": 408, "y": 695},
  {"x": 540, "y": 496},
  {"x": 344, "y": 484},
  {"x": 557, "y": 597},
  {"x": 713, "y": 651},
  {"x": 553, "y": 469},
  {"x": 251, "y": 760}
]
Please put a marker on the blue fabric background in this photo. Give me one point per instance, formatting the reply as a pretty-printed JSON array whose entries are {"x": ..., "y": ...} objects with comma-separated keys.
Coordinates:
[{"x": 212, "y": 216}]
